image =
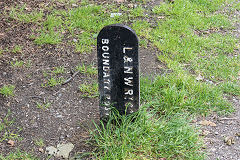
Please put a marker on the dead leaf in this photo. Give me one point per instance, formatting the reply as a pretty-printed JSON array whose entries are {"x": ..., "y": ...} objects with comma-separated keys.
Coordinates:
[
  {"x": 205, "y": 132},
  {"x": 229, "y": 140},
  {"x": 238, "y": 134},
  {"x": 194, "y": 121},
  {"x": 11, "y": 143},
  {"x": 207, "y": 123}
]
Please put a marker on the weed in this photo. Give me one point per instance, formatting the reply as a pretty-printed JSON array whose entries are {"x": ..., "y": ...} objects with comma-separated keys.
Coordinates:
[
  {"x": 39, "y": 142},
  {"x": 43, "y": 105},
  {"x": 17, "y": 63},
  {"x": 45, "y": 74},
  {"x": 1, "y": 51},
  {"x": 52, "y": 82},
  {"x": 89, "y": 69},
  {"x": 17, "y": 49},
  {"x": 6, "y": 133},
  {"x": 89, "y": 90},
  {"x": 29, "y": 63},
  {"x": 7, "y": 90},
  {"x": 59, "y": 70}
]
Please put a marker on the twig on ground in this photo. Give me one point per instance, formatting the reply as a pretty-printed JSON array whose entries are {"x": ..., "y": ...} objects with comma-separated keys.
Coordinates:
[
  {"x": 69, "y": 79},
  {"x": 225, "y": 118},
  {"x": 43, "y": 99}
]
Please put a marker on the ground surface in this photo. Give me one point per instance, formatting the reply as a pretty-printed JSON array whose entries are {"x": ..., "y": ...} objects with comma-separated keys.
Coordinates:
[
  {"x": 67, "y": 117},
  {"x": 225, "y": 127},
  {"x": 69, "y": 114}
]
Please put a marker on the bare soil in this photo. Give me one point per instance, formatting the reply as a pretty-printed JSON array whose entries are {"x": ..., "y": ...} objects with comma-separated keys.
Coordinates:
[{"x": 69, "y": 115}]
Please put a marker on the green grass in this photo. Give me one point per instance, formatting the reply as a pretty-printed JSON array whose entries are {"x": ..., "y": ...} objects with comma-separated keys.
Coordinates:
[
  {"x": 7, "y": 90},
  {"x": 237, "y": 6},
  {"x": 43, "y": 105},
  {"x": 53, "y": 77},
  {"x": 17, "y": 49},
  {"x": 171, "y": 94},
  {"x": 53, "y": 81},
  {"x": 87, "y": 69},
  {"x": 6, "y": 129},
  {"x": 189, "y": 41},
  {"x": 147, "y": 137},
  {"x": 17, "y": 63},
  {"x": 59, "y": 70},
  {"x": 89, "y": 90},
  {"x": 191, "y": 38},
  {"x": 39, "y": 142},
  {"x": 232, "y": 88},
  {"x": 19, "y": 13},
  {"x": 1, "y": 51},
  {"x": 18, "y": 155}
]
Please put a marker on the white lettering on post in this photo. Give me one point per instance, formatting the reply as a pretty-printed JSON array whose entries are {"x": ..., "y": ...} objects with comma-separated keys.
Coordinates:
[
  {"x": 105, "y": 41},
  {"x": 106, "y": 74},
  {"x": 129, "y": 92},
  {"x": 128, "y": 79},
  {"x": 128, "y": 70}
]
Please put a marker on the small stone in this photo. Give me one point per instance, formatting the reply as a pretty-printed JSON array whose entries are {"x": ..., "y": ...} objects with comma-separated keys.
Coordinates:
[
  {"x": 40, "y": 150},
  {"x": 115, "y": 14},
  {"x": 130, "y": 5},
  {"x": 74, "y": 40},
  {"x": 238, "y": 134},
  {"x": 229, "y": 140},
  {"x": 59, "y": 116},
  {"x": 64, "y": 150},
  {"x": 160, "y": 17},
  {"x": 213, "y": 149},
  {"x": 74, "y": 5},
  {"x": 216, "y": 133},
  {"x": 51, "y": 150}
]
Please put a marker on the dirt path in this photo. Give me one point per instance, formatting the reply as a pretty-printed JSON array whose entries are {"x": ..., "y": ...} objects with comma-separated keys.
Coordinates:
[{"x": 222, "y": 142}]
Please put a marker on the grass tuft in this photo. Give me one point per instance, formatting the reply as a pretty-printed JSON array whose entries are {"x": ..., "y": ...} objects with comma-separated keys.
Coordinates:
[
  {"x": 144, "y": 136},
  {"x": 7, "y": 90}
]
